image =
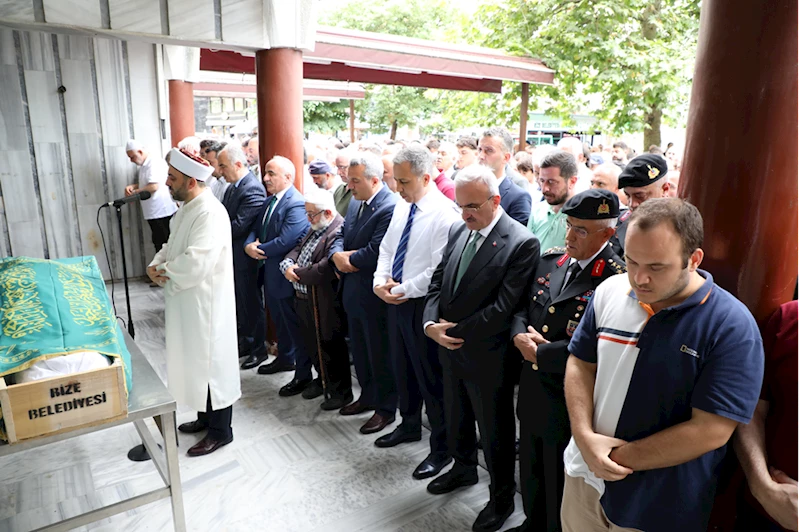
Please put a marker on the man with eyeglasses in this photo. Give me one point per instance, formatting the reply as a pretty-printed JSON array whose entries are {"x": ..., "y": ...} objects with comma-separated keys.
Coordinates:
[
  {"x": 562, "y": 286},
  {"x": 557, "y": 178},
  {"x": 308, "y": 269},
  {"x": 485, "y": 270},
  {"x": 279, "y": 226}
]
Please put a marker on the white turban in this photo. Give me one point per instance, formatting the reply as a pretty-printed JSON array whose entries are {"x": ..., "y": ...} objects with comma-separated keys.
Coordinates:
[
  {"x": 194, "y": 167},
  {"x": 134, "y": 145}
]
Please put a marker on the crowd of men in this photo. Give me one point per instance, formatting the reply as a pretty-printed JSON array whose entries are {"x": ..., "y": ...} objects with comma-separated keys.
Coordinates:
[{"x": 450, "y": 273}]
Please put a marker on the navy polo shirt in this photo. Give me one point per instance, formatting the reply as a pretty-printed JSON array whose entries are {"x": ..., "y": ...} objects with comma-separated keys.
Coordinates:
[{"x": 652, "y": 369}]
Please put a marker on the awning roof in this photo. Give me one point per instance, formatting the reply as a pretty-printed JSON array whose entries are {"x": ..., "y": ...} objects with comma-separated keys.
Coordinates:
[
  {"x": 243, "y": 86},
  {"x": 365, "y": 57}
]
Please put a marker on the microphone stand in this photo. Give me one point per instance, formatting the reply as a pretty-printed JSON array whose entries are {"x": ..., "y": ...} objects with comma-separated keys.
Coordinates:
[{"x": 131, "y": 331}]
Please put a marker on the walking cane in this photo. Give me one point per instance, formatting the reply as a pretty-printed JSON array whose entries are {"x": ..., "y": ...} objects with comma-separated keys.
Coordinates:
[{"x": 322, "y": 372}]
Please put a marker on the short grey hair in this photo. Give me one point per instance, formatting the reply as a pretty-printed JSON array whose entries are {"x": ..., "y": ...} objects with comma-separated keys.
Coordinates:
[
  {"x": 235, "y": 154},
  {"x": 477, "y": 173},
  {"x": 321, "y": 199},
  {"x": 502, "y": 134},
  {"x": 418, "y": 157},
  {"x": 608, "y": 222},
  {"x": 285, "y": 165},
  {"x": 372, "y": 164}
]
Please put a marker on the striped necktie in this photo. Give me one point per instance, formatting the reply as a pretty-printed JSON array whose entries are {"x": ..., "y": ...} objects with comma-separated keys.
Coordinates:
[{"x": 402, "y": 248}]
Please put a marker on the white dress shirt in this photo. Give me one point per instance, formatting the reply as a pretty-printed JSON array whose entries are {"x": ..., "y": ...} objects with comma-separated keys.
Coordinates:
[
  {"x": 160, "y": 204},
  {"x": 435, "y": 214},
  {"x": 218, "y": 186}
]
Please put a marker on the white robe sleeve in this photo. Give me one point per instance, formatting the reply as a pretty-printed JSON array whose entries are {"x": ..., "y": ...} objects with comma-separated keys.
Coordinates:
[
  {"x": 196, "y": 263},
  {"x": 160, "y": 257}
]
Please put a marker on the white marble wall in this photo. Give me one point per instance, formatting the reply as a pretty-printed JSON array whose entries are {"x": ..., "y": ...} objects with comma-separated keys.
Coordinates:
[{"x": 75, "y": 143}]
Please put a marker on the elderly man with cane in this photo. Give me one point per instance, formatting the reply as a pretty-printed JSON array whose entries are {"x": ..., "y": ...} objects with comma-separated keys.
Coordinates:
[{"x": 321, "y": 318}]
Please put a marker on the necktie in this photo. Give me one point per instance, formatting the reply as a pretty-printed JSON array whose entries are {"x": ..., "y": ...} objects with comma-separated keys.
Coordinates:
[
  {"x": 571, "y": 274},
  {"x": 402, "y": 248},
  {"x": 360, "y": 210},
  {"x": 272, "y": 202},
  {"x": 466, "y": 258}
]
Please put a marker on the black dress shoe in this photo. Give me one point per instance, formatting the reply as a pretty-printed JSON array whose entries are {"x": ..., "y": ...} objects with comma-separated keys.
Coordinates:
[
  {"x": 275, "y": 366},
  {"x": 450, "y": 481},
  {"x": 296, "y": 386},
  {"x": 313, "y": 390},
  {"x": 207, "y": 446},
  {"x": 192, "y": 427},
  {"x": 253, "y": 361},
  {"x": 397, "y": 436},
  {"x": 492, "y": 517},
  {"x": 431, "y": 466},
  {"x": 337, "y": 402},
  {"x": 140, "y": 454}
]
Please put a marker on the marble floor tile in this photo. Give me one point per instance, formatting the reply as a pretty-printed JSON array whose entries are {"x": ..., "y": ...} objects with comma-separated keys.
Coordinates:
[{"x": 291, "y": 467}]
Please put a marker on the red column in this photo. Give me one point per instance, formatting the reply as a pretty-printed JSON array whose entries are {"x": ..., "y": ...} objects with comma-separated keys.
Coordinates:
[
  {"x": 181, "y": 110},
  {"x": 741, "y": 148},
  {"x": 278, "y": 74}
]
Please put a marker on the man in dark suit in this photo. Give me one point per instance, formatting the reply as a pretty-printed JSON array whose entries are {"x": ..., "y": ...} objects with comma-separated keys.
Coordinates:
[
  {"x": 494, "y": 151},
  {"x": 564, "y": 283},
  {"x": 354, "y": 254},
  {"x": 475, "y": 291},
  {"x": 279, "y": 226},
  {"x": 308, "y": 269},
  {"x": 243, "y": 200}
]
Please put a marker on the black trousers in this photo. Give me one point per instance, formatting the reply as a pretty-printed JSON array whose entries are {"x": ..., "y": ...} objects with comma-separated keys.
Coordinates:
[
  {"x": 159, "y": 227},
  {"x": 489, "y": 402},
  {"x": 369, "y": 343},
  {"x": 250, "y": 315},
  {"x": 542, "y": 478},
  {"x": 334, "y": 350},
  {"x": 417, "y": 372},
  {"x": 218, "y": 421}
]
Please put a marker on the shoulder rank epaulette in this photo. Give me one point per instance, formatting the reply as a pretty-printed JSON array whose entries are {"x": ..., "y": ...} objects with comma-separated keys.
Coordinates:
[
  {"x": 618, "y": 268},
  {"x": 557, "y": 250},
  {"x": 626, "y": 214}
]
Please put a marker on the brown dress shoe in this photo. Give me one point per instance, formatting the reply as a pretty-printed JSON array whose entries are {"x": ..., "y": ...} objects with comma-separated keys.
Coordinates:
[
  {"x": 376, "y": 423},
  {"x": 355, "y": 408},
  {"x": 207, "y": 446}
]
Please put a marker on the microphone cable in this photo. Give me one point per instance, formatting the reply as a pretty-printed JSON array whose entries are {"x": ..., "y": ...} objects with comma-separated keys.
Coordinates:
[{"x": 110, "y": 269}]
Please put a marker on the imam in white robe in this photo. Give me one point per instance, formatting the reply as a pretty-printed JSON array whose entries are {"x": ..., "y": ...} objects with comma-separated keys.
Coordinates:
[{"x": 201, "y": 341}]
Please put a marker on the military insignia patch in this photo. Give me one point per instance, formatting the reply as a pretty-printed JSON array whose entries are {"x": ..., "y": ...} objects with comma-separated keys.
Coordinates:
[
  {"x": 541, "y": 280},
  {"x": 547, "y": 276},
  {"x": 599, "y": 267},
  {"x": 562, "y": 261},
  {"x": 585, "y": 297},
  {"x": 653, "y": 172},
  {"x": 604, "y": 208},
  {"x": 571, "y": 327}
]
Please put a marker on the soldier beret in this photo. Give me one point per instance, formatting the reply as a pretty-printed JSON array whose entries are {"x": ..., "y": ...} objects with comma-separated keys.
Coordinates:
[
  {"x": 643, "y": 170},
  {"x": 593, "y": 204},
  {"x": 319, "y": 166}
]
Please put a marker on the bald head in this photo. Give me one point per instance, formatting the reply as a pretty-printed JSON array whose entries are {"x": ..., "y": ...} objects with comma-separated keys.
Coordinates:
[
  {"x": 574, "y": 146},
  {"x": 606, "y": 176}
]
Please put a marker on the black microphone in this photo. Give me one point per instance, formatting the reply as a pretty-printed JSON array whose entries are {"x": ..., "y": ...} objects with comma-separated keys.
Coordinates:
[{"x": 143, "y": 195}]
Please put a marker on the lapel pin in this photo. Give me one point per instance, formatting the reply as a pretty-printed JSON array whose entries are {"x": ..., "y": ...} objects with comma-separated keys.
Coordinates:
[{"x": 494, "y": 243}]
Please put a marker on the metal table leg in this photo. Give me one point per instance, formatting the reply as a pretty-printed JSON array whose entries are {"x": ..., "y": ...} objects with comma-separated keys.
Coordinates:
[{"x": 173, "y": 470}]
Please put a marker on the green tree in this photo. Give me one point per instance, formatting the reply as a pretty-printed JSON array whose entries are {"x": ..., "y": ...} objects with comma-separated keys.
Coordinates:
[
  {"x": 325, "y": 117},
  {"x": 385, "y": 107},
  {"x": 627, "y": 62}
]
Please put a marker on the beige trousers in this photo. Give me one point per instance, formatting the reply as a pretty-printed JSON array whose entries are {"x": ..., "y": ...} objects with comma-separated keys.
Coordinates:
[{"x": 581, "y": 510}]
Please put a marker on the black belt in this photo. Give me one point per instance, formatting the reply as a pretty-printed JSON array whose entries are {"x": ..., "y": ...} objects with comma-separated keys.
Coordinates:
[{"x": 300, "y": 295}]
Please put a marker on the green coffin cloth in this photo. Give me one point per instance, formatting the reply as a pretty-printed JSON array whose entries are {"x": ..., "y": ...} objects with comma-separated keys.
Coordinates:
[{"x": 50, "y": 308}]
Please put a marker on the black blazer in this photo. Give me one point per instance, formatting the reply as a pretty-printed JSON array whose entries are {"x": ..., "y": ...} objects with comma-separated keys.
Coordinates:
[
  {"x": 364, "y": 235},
  {"x": 555, "y": 315},
  {"x": 487, "y": 297},
  {"x": 243, "y": 203}
]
